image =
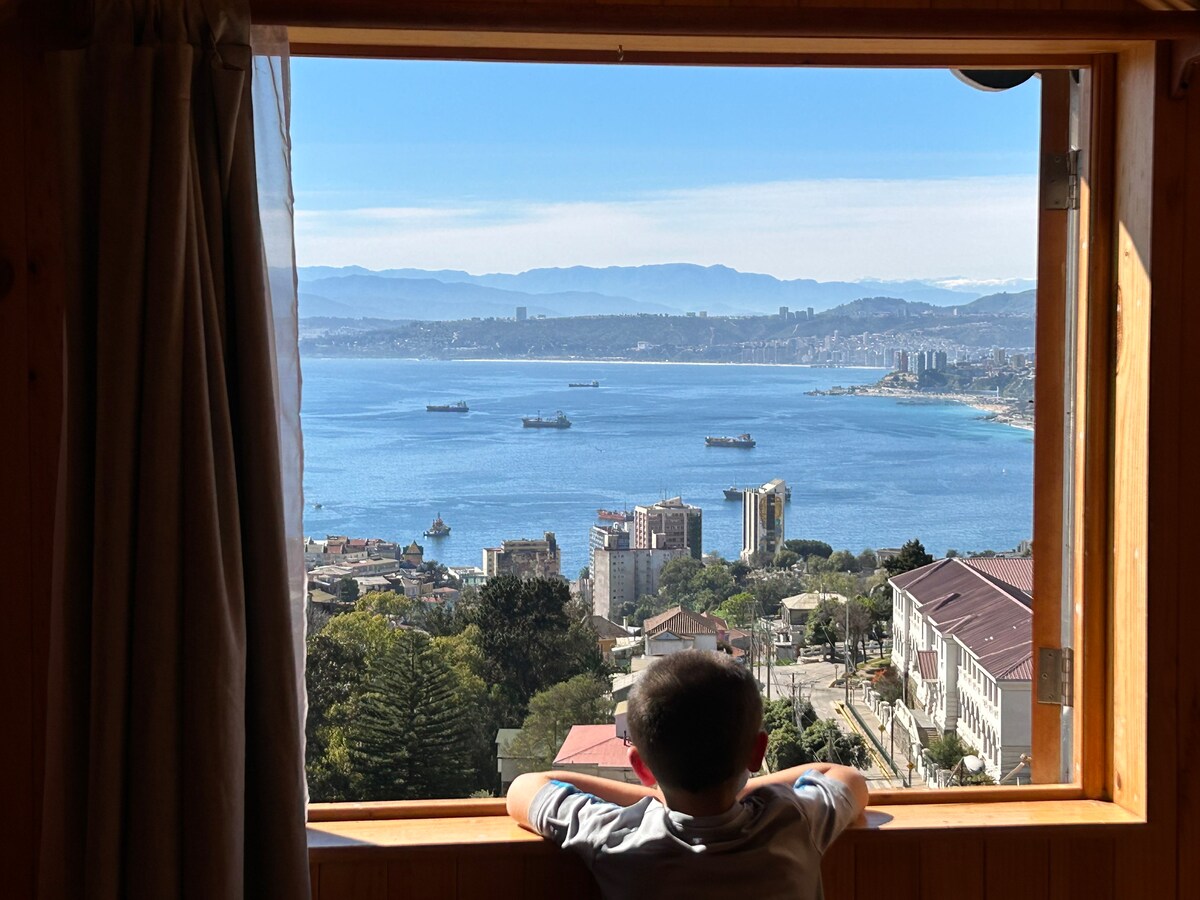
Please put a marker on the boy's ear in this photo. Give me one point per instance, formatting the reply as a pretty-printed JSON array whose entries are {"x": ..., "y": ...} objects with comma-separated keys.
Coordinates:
[
  {"x": 758, "y": 753},
  {"x": 640, "y": 769}
]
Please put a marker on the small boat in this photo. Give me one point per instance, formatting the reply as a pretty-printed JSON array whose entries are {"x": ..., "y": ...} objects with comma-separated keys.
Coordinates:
[
  {"x": 614, "y": 515},
  {"x": 460, "y": 406},
  {"x": 438, "y": 528},
  {"x": 559, "y": 421},
  {"x": 742, "y": 440},
  {"x": 735, "y": 493},
  {"x": 318, "y": 506},
  {"x": 584, "y": 384}
]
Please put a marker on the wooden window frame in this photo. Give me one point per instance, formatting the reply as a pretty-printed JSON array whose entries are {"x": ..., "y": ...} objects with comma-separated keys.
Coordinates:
[{"x": 1109, "y": 457}]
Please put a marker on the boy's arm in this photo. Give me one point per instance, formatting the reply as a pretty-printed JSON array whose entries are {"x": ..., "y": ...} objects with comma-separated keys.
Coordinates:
[
  {"x": 522, "y": 791},
  {"x": 851, "y": 778}
]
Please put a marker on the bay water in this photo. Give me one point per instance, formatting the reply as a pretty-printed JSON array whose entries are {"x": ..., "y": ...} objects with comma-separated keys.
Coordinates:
[{"x": 864, "y": 471}]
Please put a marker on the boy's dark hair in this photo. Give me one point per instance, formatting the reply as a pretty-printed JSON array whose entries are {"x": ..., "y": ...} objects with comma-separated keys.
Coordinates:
[{"x": 693, "y": 717}]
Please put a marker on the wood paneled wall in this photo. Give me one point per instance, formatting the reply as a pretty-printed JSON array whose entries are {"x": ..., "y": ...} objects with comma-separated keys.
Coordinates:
[{"x": 1159, "y": 860}]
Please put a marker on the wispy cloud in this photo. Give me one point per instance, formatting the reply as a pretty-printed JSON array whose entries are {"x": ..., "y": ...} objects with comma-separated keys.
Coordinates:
[{"x": 977, "y": 228}]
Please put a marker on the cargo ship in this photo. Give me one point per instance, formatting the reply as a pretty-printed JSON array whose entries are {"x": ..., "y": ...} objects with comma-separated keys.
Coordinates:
[
  {"x": 559, "y": 421},
  {"x": 438, "y": 528},
  {"x": 742, "y": 440},
  {"x": 584, "y": 384},
  {"x": 735, "y": 493},
  {"x": 460, "y": 406}
]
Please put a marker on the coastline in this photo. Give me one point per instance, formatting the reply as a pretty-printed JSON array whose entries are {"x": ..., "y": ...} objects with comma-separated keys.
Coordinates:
[
  {"x": 998, "y": 409},
  {"x": 600, "y": 362}
]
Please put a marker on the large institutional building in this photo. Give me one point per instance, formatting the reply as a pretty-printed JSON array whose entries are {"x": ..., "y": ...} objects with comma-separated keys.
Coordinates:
[
  {"x": 962, "y": 631},
  {"x": 525, "y": 558},
  {"x": 762, "y": 519},
  {"x": 625, "y": 575}
]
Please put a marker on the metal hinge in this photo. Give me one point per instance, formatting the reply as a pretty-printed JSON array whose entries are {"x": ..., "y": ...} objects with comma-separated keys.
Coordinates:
[
  {"x": 1056, "y": 676},
  {"x": 1060, "y": 180}
]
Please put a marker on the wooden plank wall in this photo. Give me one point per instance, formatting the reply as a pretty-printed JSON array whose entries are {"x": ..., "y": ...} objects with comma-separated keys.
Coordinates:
[{"x": 1159, "y": 861}]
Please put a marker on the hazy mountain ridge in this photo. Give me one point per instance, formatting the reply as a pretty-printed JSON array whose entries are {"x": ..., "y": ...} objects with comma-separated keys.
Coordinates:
[{"x": 584, "y": 290}]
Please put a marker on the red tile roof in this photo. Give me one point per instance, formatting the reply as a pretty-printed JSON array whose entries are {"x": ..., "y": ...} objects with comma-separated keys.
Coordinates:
[
  {"x": 680, "y": 621},
  {"x": 1015, "y": 572},
  {"x": 593, "y": 745},
  {"x": 990, "y": 617}
]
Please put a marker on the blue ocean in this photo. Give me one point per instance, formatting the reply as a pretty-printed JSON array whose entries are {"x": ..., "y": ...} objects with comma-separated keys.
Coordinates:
[{"x": 864, "y": 471}]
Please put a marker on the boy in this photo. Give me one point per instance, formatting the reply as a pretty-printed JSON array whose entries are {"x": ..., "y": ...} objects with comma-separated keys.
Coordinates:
[{"x": 695, "y": 721}]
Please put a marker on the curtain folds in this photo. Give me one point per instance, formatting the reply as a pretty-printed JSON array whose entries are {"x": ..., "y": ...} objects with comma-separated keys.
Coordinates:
[{"x": 174, "y": 757}]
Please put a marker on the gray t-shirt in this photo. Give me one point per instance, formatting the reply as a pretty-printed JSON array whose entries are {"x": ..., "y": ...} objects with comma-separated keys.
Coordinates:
[{"x": 768, "y": 844}]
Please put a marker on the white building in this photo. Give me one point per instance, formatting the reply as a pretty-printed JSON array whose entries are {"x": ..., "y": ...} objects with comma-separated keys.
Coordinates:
[
  {"x": 669, "y": 524},
  {"x": 626, "y": 575},
  {"x": 963, "y": 630},
  {"x": 762, "y": 519}
]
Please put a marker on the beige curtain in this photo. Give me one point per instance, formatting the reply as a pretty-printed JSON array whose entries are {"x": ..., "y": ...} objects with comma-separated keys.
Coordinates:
[{"x": 174, "y": 760}]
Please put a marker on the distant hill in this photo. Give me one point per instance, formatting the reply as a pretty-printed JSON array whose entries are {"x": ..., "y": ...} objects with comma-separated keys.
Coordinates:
[
  {"x": 1022, "y": 304},
  {"x": 375, "y": 296},
  {"x": 584, "y": 290},
  {"x": 885, "y": 306}
]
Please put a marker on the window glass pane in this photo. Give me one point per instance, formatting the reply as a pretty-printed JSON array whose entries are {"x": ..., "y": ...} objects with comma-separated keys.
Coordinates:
[{"x": 603, "y": 363}]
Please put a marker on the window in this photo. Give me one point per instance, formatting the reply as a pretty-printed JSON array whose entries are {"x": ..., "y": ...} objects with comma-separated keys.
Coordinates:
[{"x": 1091, "y": 340}]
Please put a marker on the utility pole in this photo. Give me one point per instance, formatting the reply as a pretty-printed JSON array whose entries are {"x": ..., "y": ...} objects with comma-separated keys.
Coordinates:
[{"x": 846, "y": 650}]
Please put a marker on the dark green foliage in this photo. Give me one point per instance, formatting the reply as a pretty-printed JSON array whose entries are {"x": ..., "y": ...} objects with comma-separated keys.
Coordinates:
[
  {"x": 805, "y": 548},
  {"x": 529, "y": 641},
  {"x": 785, "y": 559},
  {"x": 582, "y": 700},
  {"x": 695, "y": 585},
  {"x": 783, "y": 712},
  {"x": 824, "y": 741},
  {"x": 948, "y": 750},
  {"x": 785, "y": 748},
  {"x": 826, "y": 623},
  {"x": 911, "y": 556},
  {"x": 843, "y": 561},
  {"x": 409, "y": 737},
  {"x": 333, "y": 675}
]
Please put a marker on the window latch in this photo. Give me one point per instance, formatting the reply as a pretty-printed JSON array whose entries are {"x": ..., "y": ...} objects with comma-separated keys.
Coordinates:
[{"x": 1056, "y": 676}]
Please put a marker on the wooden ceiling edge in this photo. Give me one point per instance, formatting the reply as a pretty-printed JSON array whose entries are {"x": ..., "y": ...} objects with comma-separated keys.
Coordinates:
[
  {"x": 635, "y": 48},
  {"x": 713, "y": 21}
]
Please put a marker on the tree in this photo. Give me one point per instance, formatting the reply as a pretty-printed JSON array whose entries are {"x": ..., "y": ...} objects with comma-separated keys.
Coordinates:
[
  {"x": 694, "y": 585},
  {"x": 824, "y": 741},
  {"x": 843, "y": 561},
  {"x": 888, "y": 685},
  {"x": 786, "y": 748},
  {"x": 582, "y": 700},
  {"x": 785, "y": 559},
  {"x": 948, "y": 750},
  {"x": 783, "y": 711},
  {"x": 805, "y": 548},
  {"x": 858, "y": 621},
  {"x": 823, "y": 623},
  {"x": 529, "y": 641},
  {"x": 879, "y": 605},
  {"x": 347, "y": 590},
  {"x": 951, "y": 553},
  {"x": 772, "y": 589},
  {"x": 409, "y": 738},
  {"x": 867, "y": 560},
  {"x": 737, "y": 610},
  {"x": 911, "y": 556}
]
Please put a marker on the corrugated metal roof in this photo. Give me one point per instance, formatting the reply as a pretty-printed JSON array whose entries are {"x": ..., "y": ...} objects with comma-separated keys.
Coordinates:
[
  {"x": 680, "y": 621},
  {"x": 1017, "y": 572},
  {"x": 593, "y": 745},
  {"x": 988, "y": 616},
  {"x": 927, "y": 664}
]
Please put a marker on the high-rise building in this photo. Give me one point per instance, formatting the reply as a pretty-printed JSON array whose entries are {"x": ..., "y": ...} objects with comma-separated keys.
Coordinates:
[
  {"x": 939, "y": 360},
  {"x": 668, "y": 525},
  {"x": 902, "y": 361},
  {"x": 762, "y": 519},
  {"x": 623, "y": 576},
  {"x": 524, "y": 558},
  {"x": 606, "y": 537},
  {"x": 522, "y": 313}
]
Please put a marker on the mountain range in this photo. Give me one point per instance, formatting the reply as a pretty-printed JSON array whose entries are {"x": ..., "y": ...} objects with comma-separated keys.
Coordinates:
[{"x": 673, "y": 288}]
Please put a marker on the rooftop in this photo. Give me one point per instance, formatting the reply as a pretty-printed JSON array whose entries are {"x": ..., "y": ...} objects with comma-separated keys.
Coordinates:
[
  {"x": 679, "y": 621},
  {"x": 593, "y": 745}
]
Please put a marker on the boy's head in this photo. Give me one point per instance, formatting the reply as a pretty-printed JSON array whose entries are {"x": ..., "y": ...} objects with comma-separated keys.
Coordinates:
[{"x": 695, "y": 719}]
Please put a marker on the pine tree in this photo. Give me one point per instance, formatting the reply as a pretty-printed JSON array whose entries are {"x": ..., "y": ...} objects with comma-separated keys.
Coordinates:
[{"x": 410, "y": 738}]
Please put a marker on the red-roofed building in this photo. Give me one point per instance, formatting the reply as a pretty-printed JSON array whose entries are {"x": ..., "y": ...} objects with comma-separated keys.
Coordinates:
[
  {"x": 963, "y": 632},
  {"x": 596, "y": 750},
  {"x": 679, "y": 629}
]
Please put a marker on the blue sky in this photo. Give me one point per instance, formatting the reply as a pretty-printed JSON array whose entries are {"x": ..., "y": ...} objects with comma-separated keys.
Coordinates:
[{"x": 829, "y": 174}]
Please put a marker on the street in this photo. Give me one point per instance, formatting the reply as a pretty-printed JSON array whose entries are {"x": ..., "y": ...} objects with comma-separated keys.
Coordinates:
[{"x": 812, "y": 679}]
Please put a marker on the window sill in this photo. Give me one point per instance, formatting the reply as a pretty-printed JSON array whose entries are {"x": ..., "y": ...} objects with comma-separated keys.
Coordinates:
[{"x": 388, "y": 828}]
